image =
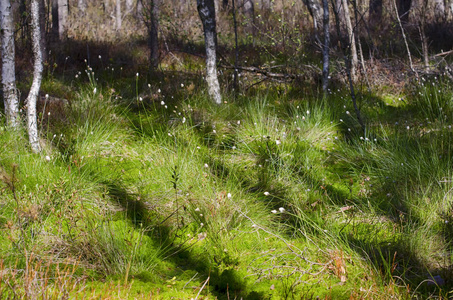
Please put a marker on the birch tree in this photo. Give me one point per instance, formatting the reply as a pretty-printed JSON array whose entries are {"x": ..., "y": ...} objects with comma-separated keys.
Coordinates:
[
  {"x": 32, "y": 98},
  {"x": 118, "y": 16},
  {"x": 206, "y": 10},
  {"x": 60, "y": 12},
  {"x": 10, "y": 97},
  {"x": 351, "y": 38},
  {"x": 316, "y": 12},
  {"x": 63, "y": 12},
  {"x": 82, "y": 6}
]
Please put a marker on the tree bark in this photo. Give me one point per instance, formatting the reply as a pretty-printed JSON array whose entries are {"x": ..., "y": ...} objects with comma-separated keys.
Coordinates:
[
  {"x": 118, "y": 15},
  {"x": 351, "y": 38},
  {"x": 55, "y": 25},
  {"x": 347, "y": 60},
  {"x": 153, "y": 29},
  {"x": 315, "y": 10},
  {"x": 63, "y": 11},
  {"x": 206, "y": 10},
  {"x": 32, "y": 98},
  {"x": 439, "y": 10},
  {"x": 236, "y": 49},
  {"x": 129, "y": 6},
  {"x": 325, "y": 48},
  {"x": 42, "y": 27},
  {"x": 8, "y": 65},
  {"x": 81, "y": 4}
]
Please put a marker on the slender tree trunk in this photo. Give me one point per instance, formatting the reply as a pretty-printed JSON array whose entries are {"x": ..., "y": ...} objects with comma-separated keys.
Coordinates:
[
  {"x": 32, "y": 98},
  {"x": 63, "y": 12},
  {"x": 314, "y": 8},
  {"x": 139, "y": 8},
  {"x": 325, "y": 48},
  {"x": 236, "y": 50},
  {"x": 347, "y": 60},
  {"x": 23, "y": 24},
  {"x": 42, "y": 27},
  {"x": 422, "y": 16},
  {"x": 118, "y": 15},
  {"x": 55, "y": 25},
  {"x": 206, "y": 10},
  {"x": 8, "y": 65},
  {"x": 249, "y": 12},
  {"x": 405, "y": 39},
  {"x": 153, "y": 29},
  {"x": 351, "y": 38},
  {"x": 81, "y": 4},
  {"x": 129, "y": 6},
  {"x": 360, "y": 52}
]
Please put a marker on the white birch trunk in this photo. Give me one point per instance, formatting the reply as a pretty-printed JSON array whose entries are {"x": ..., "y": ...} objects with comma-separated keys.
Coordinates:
[
  {"x": 32, "y": 98},
  {"x": 63, "y": 11},
  {"x": 439, "y": 9},
  {"x": 81, "y": 4},
  {"x": 206, "y": 11},
  {"x": 118, "y": 17},
  {"x": 8, "y": 65},
  {"x": 316, "y": 12},
  {"x": 351, "y": 37},
  {"x": 129, "y": 6}
]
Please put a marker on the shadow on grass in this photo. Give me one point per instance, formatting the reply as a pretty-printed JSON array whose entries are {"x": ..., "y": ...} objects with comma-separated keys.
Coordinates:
[{"x": 222, "y": 282}]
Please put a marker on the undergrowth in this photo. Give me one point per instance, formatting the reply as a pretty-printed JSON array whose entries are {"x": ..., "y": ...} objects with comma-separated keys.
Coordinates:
[{"x": 268, "y": 196}]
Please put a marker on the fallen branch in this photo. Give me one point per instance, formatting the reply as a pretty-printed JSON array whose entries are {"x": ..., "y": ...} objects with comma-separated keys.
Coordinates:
[
  {"x": 261, "y": 72},
  {"x": 443, "y": 53}
]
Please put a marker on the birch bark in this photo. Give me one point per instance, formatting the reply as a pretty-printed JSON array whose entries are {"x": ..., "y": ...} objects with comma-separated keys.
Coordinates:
[
  {"x": 351, "y": 38},
  {"x": 63, "y": 12},
  {"x": 8, "y": 65},
  {"x": 206, "y": 10},
  {"x": 118, "y": 15},
  {"x": 32, "y": 98}
]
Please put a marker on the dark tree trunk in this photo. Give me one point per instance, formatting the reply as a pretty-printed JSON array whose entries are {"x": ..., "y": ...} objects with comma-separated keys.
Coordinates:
[
  {"x": 42, "y": 27},
  {"x": 55, "y": 24},
  {"x": 325, "y": 48},
  {"x": 153, "y": 30}
]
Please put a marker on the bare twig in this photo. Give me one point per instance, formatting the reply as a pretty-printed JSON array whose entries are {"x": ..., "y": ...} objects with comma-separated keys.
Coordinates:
[
  {"x": 202, "y": 288},
  {"x": 411, "y": 65}
]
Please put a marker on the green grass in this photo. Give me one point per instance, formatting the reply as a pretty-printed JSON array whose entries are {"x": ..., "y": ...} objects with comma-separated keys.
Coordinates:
[{"x": 268, "y": 196}]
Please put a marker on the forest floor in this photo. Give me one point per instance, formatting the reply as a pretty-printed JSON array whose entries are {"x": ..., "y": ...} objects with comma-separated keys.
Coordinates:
[{"x": 147, "y": 190}]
